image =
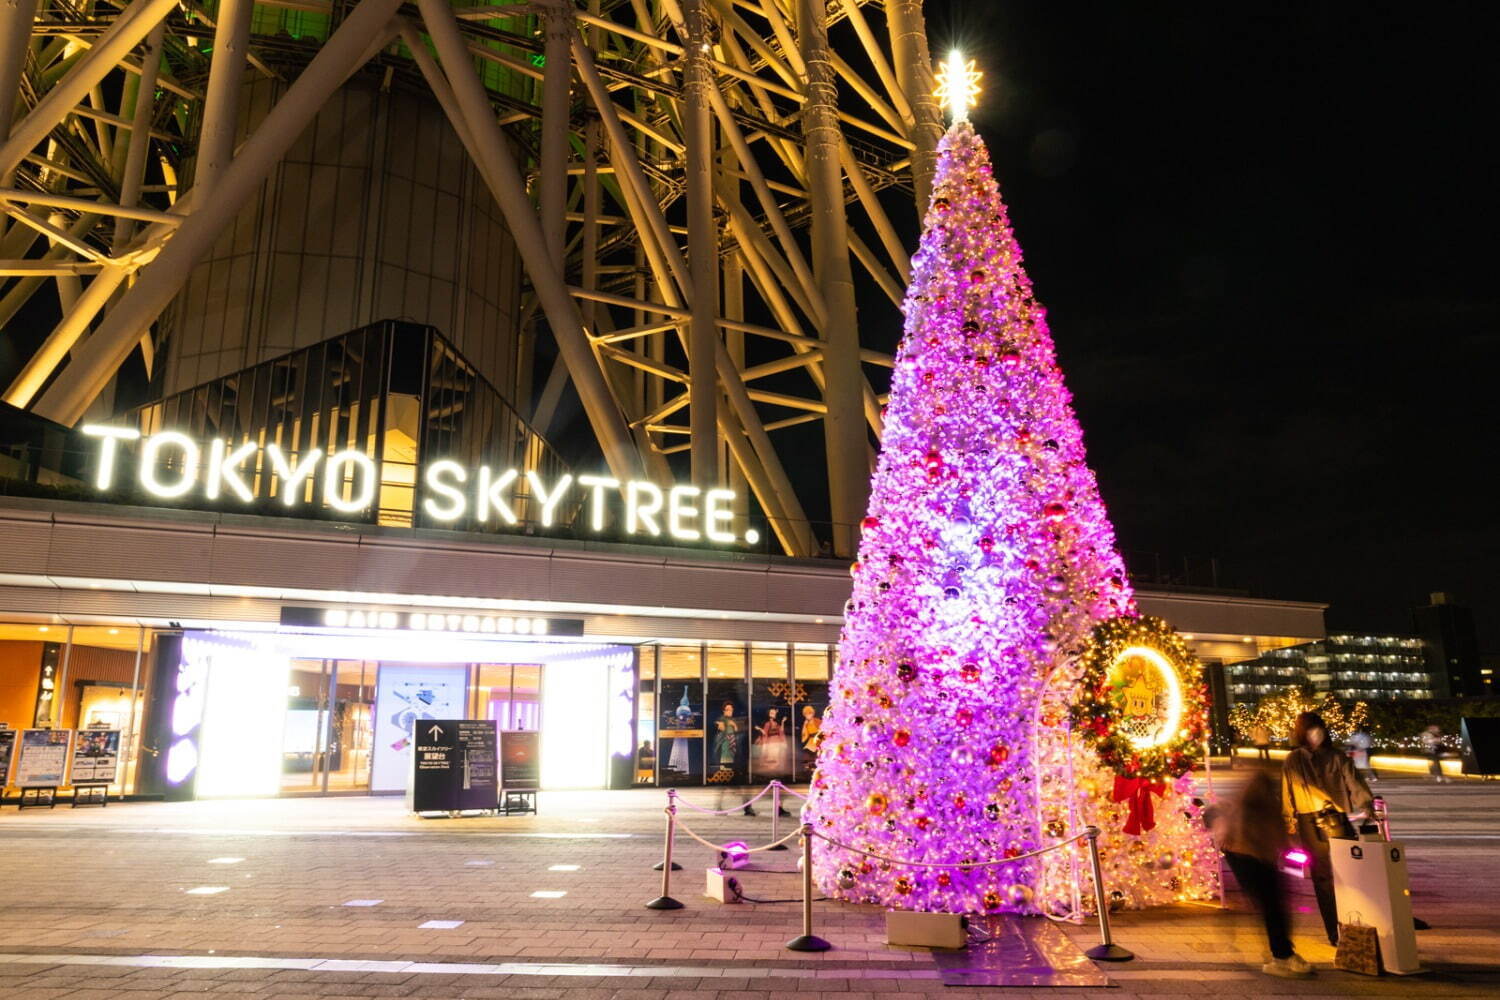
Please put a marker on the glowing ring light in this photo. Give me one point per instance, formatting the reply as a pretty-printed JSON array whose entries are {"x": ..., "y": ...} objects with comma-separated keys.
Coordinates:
[
  {"x": 1107, "y": 706},
  {"x": 1168, "y": 728}
]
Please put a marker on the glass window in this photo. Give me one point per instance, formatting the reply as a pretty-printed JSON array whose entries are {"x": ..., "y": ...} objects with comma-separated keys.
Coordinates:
[
  {"x": 772, "y": 703},
  {"x": 810, "y": 672},
  {"x": 728, "y": 713},
  {"x": 645, "y": 719},
  {"x": 680, "y": 714}
]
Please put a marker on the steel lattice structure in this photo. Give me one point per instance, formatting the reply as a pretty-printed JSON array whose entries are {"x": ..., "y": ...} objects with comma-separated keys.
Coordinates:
[{"x": 687, "y": 182}]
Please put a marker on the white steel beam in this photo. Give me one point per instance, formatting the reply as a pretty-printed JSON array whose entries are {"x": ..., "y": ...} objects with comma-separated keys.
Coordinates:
[{"x": 95, "y": 363}]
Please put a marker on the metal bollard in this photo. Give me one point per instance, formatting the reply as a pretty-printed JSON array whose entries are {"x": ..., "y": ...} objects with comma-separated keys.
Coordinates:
[
  {"x": 776, "y": 815},
  {"x": 807, "y": 940},
  {"x": 665, "y": 900},
  {"x": 1106, "y": 950},
  {"x": 671, "y": 830}
]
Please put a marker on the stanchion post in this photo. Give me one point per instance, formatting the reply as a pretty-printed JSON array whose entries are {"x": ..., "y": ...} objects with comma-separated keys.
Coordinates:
[
  {"x": 665, "y": 900},
  {"x": 1106, "y": 950},
  {"x": 776, "y": 816},
  {"x": 671, "y": 831},
  {"x": 807, "y": 940}
]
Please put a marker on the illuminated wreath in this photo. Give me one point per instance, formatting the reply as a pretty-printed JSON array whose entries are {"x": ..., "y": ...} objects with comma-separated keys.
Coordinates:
[{"x": 1141, "y": 702}]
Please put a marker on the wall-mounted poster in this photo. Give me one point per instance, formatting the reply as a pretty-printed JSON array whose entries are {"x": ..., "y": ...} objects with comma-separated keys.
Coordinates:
[
  {"x": 520, "y": 759},
  {"x": 7, "y": 751},
  {"x": 405, "y": 695},
  {"x": 44, "y": 757},
  {"x": 96, "y": 756}
]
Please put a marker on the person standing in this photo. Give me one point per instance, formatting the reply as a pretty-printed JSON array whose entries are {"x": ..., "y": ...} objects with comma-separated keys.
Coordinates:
[
  {"x": 1360, "y": 742},
  {"x": 1260, "y": 738},
  {"x": 1320, "y": 795},
  {"x": 1432, "y": 745},
  {"x": 1249, "y": 832}
]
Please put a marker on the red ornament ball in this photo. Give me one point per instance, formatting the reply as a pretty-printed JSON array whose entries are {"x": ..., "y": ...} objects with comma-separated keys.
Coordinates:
[
  {"x": 969, "y": 672},
  {"x": 999, "y": 754},
  {"x": 964, "y": 717},
  {"x": 876, "y": 803},
  {"x": 870, "y": 522},
  {"x": 901, "y": 737},
  {"x": 906, "y": 671}
]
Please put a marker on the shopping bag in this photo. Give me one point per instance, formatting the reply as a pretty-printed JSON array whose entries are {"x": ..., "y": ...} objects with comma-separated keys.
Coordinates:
[{"x": 1359, "y": 948}]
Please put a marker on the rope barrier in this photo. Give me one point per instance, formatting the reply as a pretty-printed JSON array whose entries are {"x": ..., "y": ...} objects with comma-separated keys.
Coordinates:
[
  {"x": 960, "y": 865},
  {"x": 738, "y": 848},
  {"x": 791, "y": 791},
  {"x": 724, "y": 812},
  {"x": 1106, "y": 950}
]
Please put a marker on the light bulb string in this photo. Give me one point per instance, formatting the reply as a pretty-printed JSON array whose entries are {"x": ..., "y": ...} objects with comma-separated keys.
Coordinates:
[
  {"x": 673, "y": 796},
  {"x": 738, "y": 848},
  {"x": 961, "y": 864}
]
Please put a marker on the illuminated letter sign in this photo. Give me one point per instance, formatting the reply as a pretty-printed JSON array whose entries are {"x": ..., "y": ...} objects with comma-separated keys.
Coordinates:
[{"x": 173, "y": 465}]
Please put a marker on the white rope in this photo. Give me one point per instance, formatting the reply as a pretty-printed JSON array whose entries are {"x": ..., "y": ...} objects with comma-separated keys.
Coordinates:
[
  {"x": 737, "y": 847},
  {"x": 962, "y": 864},
  {"x": 722, "y": 812},
  {"x": 791, "y": 791}
]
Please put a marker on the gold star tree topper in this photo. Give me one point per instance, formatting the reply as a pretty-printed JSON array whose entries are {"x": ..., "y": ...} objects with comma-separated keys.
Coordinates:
[{"x": 958, "y": 85}]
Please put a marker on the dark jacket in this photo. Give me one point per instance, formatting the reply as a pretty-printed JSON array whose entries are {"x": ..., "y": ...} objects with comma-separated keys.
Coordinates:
[{"x": 1313, "y": 779}]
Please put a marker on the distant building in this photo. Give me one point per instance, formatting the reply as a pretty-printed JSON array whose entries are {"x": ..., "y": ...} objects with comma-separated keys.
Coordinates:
[
  {"x": 1347, "y": 666},
  {"x": 1453, "y": 644}
]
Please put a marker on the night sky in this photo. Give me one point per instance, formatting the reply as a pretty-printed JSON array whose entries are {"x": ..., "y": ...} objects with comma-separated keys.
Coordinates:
[{"x": 1266, "y": 245}]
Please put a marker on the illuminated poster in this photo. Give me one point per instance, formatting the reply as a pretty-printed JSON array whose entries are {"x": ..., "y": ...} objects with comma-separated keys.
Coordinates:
[
  {"x": 520, "y": 759},
  {"x": 96, "y": 755},
  {"x": 44, "y": 757},
  {"x": 407, "y": 694}
]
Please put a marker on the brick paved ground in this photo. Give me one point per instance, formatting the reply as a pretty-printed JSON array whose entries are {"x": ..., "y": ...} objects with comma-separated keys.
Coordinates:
[{"x": 97, "y": 903}]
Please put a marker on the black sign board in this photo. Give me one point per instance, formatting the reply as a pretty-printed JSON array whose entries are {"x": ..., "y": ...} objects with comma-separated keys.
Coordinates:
[
  {"x": 7, "y": 750},
  {"x": 453, "y": 765},
  {"x": 520, "y": 759},
  {"x": 1481, "y": 739},
  {"x": 487, "y": 625}
]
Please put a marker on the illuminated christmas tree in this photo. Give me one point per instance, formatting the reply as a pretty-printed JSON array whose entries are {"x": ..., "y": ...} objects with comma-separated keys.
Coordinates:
[{"x": 985, "y": 564}]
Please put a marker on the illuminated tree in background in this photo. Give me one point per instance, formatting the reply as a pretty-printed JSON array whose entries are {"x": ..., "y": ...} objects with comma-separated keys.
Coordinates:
[{"x": 985, "y": 561}]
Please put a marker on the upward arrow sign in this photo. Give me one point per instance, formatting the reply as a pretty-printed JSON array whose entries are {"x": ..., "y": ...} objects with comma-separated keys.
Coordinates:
[{"x": 436, "y": 732}]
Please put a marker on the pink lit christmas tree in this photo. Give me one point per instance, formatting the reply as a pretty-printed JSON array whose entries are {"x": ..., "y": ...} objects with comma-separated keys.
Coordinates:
[{"x": 985, "y": 561}]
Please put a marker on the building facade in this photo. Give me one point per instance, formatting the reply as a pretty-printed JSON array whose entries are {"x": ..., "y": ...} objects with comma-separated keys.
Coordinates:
[
  {"x": 262, "y": 584},
  {"x": 1453, "y": 645},
  {"x": 1347, "y": 666}
]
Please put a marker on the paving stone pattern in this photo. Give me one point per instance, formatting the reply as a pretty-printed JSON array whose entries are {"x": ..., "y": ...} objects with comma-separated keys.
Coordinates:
[{"x": 96, "y": 904}]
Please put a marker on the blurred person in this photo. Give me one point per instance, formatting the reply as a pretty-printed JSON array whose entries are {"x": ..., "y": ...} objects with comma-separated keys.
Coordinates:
[
  {"x": 1250, "y": 833},
  {"x": 1260, "y": 738},
  {"x": 1432, "y": 746},
  {"x": 1321, "y": 797},
  {"x": 1360, "y": 742}
]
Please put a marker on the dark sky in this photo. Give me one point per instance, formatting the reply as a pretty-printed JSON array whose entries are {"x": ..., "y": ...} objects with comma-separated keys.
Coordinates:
[{"x": 1266, "y": 243}]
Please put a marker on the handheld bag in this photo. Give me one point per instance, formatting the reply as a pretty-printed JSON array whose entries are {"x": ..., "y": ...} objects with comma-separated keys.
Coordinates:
[{"x": 1359, "y": 948}]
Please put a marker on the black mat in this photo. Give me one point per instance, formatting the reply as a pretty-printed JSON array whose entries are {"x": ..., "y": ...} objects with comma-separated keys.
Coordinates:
[{"x": 1019, "y": 951}]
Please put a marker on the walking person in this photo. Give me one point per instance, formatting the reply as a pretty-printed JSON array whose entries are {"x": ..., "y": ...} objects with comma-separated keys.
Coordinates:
[
  {"x": 1249, "y": 832},
  {"x": 1260, "y": 738},
  {"x": 1432, "y": 746},
  {"x": 1321, "y": 796},
  {"x": 1360, "y": 742}
]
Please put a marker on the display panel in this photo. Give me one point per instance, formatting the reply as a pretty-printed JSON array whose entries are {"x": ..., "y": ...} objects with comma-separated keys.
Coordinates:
[
  {"x": 680, "y": 716},
  {"x": 405, "y": 695}
]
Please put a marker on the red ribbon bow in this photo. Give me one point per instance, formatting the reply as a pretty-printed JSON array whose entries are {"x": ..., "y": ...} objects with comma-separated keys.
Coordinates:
[{"x": 1138, "y": 792}]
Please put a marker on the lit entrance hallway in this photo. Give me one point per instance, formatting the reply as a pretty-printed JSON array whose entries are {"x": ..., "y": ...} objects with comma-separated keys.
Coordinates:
[{"x": 356, "y": 897}]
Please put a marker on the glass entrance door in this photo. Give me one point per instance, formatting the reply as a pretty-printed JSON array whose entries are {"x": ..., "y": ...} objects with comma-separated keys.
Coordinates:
[{"x": 304, "y": 741}]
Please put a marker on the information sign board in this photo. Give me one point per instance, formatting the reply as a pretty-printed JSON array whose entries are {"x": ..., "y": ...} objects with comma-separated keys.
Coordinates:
[
  {"x": 7, "y": 751},
  {"x": 44, "y": 758},
  {"x": 96, "y": 756},
  {"x": 520, "y": 760},
  {"x": 454, "y": 766}
]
